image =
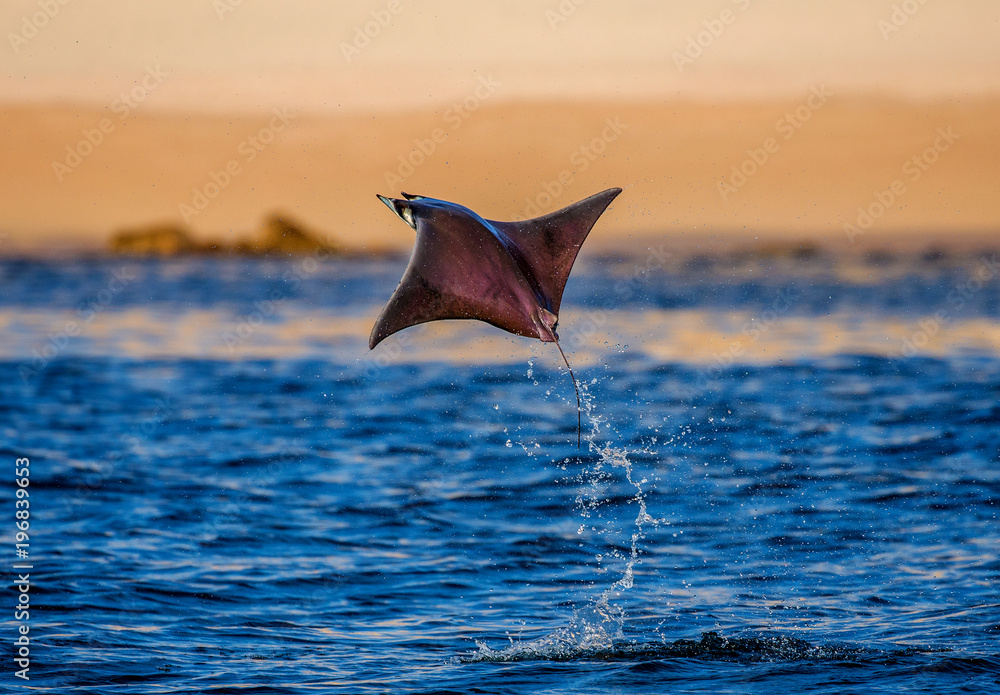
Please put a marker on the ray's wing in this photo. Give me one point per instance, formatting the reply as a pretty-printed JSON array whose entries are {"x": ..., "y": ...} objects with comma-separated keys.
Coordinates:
[
  {"x": 548, "y": 245},
  {"x": 458, "y": 270}
]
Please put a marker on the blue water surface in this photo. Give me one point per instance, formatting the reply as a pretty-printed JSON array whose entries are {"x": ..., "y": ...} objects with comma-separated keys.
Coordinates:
[{"x": 329, "y": 524}]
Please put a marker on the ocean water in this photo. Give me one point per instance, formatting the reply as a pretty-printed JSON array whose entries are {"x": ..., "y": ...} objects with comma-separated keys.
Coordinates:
[{"x": 790, "y": 480}]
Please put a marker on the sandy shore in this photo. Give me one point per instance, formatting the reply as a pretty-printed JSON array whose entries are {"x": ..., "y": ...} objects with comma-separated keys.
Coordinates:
[{"x": 897, "y": 172}]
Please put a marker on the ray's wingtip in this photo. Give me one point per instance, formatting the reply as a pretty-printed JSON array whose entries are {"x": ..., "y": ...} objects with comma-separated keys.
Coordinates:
[
  {"x": 375, "y": 336},
  {"x": 606, "y": 196}
]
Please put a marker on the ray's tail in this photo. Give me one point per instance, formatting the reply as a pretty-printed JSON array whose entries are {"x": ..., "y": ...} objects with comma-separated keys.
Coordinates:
[{"x": 576, "y": 388}]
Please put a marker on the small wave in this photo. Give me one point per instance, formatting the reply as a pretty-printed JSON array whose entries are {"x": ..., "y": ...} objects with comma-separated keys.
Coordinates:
[
  {"x": 711, "y": 647},
  {"x": 966, "y": 665}
]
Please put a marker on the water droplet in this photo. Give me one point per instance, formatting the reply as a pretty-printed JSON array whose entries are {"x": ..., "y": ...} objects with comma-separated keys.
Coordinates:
[{"x": 509, "y": 445}]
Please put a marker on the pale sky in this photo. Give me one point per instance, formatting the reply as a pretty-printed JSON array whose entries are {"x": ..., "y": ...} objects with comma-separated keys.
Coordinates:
[{"x": 230, "y": 55}]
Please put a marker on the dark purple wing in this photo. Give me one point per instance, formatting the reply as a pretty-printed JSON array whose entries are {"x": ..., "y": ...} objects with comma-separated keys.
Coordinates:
[
  {"x": 459, "y": 270},
  {"x": 549, "y": 245}
]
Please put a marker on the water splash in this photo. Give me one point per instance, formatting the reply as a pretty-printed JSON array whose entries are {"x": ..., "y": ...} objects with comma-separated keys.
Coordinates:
[
  {"x": 593, "y": 627},
  {"x": 596, "y": 478},
  {"x": 745, "y": 649},
  {"x": 597, "y": 624}
]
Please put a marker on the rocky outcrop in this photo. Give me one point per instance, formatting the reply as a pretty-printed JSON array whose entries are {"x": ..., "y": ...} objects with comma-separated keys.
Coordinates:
[
  {"x": 279, "y": 236},
  {"x": 154, "y": 240}
]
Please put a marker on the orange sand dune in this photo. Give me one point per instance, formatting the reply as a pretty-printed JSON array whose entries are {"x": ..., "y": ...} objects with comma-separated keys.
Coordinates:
[{"x": 801, "y": 168}]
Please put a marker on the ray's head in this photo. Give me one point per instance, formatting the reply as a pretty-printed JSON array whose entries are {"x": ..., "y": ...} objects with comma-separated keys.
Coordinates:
[{"x": 414, "y": 208}]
